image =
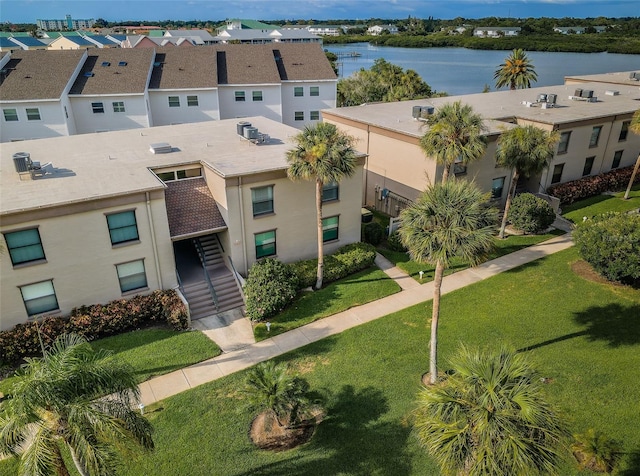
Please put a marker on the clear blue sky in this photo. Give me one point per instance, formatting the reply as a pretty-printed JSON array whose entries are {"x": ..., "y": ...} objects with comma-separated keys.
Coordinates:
[{"x": 27, "y": 11}]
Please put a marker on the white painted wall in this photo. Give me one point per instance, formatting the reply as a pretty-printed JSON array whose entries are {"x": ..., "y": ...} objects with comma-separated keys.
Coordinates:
[
  {"x": 52, "y": 122},
  {"x": 163, "y": 115},
  {"x": 135, "y": 115},
  {"x": 269, "y": 107},
  {"x": 306, "y": 103}
]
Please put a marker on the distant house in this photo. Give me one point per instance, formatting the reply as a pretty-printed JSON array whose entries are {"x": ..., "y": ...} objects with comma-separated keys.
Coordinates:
[
  {"x": 12, "y": 43},
  {"x": 325, "y": 30},
  {"x": 71, "y": 43},
  {"x": 197, "y": 37},
  {"x": 237, "y": 24},
  {"x": 496, "y": 31},
  {"x": 379, "y": 29},
  {"x": 102, "y": 41},
  {"x": 577, "y": 30},
  {"x": 279, "y": 35}
]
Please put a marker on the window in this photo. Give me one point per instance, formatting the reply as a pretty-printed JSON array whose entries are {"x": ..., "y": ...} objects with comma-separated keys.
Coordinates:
[
  {"x": 257, "y": 95},
  {"x": 33, "y": 114},
  {"x": 97, "y": 107},
  {"x": 192, "y": 101},
  {"x": 265, "y": 244},
  {"x": 329, "y": 229},
  {"x": 298, "y": 115},
  {"x": 131, "y": 275},
  {"x": 459, "y": 167},
  {"x": 595, "y": 136},
  {"x": 330, "y": 191},
  {"x": 588, "y": 165},
  {"x": 118, "y": 106},
  {"x": 496, "y": 187},
  {"x": 179, "y": 174},
  {"x": 122, "y": 227},
  {"x": 298, "y": 91},
  {"x": 24, "y": 246},
  {"x": 10, "y": 115},
  {"x": 240, "y": 96},
  {"x": 617, "y": 157},
  {"x": 563, "y": 145},
  {"x": 262, "y": 199},
  {"x": 557, "y": 173},
  {"x": 39, "y": 297},
  {"x": 174, "y": 101},
  {"x": 624, "y": 131},
  {"x": 314, "y": 115},
  {"x": 314, "y": 91}
]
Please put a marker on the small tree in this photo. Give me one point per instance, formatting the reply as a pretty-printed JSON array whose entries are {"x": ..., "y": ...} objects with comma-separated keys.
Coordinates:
[
  {"x": 270, "y": 286},
  {"x": 517, "y": 71},
  {"x": 595, "y": 451},
  {"x": 531, "y": 214}
]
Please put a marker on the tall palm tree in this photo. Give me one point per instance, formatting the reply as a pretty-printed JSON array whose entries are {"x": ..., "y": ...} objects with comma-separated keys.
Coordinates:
[
  {"x": 490, "y": 417},
  {"x": 325, "y": 155},
  {"x": 635, "y": 128},
  {"x": 517, "y": 71},
  {"x": 449, "y": 220},
  {"x": 455, "y": 133},
  {"x": 59, "y": 399},
  {"x": 527, "y": 150}
]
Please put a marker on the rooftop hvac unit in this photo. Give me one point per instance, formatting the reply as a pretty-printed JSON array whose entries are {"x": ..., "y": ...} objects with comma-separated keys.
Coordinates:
[
  {"x": 21, "y": 161},
  {"x": 251, "y": 133},
  {"x": 240, "y": 127},
  {"x": 416, "y": 112},
  {"x": 552, "y": 98},
  {"x": 427, "y": 111},
  {"x": 578, "y": 93},
  {"x": 586, "y": 93},
  {"x": 542, "y": 98},
  {"x": 160, "y": 148},
  {"x": 611, "y": 92},
  {"x": 634, "y": 76}
]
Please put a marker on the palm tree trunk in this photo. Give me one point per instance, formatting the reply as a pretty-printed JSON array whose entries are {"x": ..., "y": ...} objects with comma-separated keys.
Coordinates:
[
  {"x": 320, "y": 271},
  {"x": 633, "y": 177},
  {"x": 81, "y": 469},
  {"x": 445, "y": 173},
  {"x": 435, "y": 314},
  {"x": 507, "y": 205}
]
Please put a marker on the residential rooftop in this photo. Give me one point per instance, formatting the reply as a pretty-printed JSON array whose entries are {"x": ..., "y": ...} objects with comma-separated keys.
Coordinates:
[
  {"x": 184, "y": 68},
  {"x": 619, "y": 78}
]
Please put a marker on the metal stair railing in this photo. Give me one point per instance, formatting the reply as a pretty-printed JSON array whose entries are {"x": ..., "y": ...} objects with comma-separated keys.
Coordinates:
[
  {"x": 207, "y": 278},
  {"x": 236, "y": 275}
]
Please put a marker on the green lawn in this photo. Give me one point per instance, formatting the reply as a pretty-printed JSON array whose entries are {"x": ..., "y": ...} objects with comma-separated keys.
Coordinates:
[
  {"x": 355, "y": 290},
  {"x": 502, "y": 247},
  {"x": 592, "y": 206},
  {"x": 582, "y": 335}
]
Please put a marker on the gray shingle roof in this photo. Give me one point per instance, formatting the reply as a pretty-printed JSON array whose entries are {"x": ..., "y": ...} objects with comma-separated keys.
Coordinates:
[
  {"x": 184, "y": 68},
  {"x": 304, "y": 62}
]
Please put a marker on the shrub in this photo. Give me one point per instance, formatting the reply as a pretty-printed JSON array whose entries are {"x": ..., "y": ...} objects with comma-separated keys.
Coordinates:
[
  {"x": 595, "y": 451},
  {"x": 586, "y": 187},
  {"x": 345, "y": 261},
  {"x": 271, "y": 285},
  {"x": 373, "y": 233},
  {"x": 394, "y": 243},
  {"x": 611, "y": 244},
  {"x": 530, "y": 213},
  {"x": 95, "y": 321}
]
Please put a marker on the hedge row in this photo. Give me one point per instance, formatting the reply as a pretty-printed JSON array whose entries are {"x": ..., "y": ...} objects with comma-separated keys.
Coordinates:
[
  {"x": 95, "y": 321},
  {"x": 586, "y": 187}
]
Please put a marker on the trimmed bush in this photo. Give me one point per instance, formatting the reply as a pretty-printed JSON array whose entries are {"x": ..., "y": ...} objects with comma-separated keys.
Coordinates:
[
  {"x": 611, "y": 244},
  {"x": 271, "y": 285},
  {"x": 394, "y": 243},
  {"x": 530, "y": 213},
  {"x": 586, "y": 187},
  {"x": 373, "y": 233},
  {"x": 345, "y": 261},
  {"x": 95, "y": 321}
]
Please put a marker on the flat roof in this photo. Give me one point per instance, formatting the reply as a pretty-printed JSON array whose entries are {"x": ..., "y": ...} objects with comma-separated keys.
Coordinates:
[
  {"x": 101, "y": 165},
  {"x": 621, "y": 78},
  {"x": 498, "y": 108}
]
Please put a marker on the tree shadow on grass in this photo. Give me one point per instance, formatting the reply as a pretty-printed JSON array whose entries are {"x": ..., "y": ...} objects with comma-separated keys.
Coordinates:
[{"x": 351, "y": 440}]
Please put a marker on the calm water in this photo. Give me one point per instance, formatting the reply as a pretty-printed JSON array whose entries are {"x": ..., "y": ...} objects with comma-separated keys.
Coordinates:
[{"x": 462, "y": 71}]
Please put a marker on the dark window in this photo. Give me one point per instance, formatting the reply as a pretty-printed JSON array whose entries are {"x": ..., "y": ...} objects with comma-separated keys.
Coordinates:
[
  {"x": 298, "y": 115},
  {"x": 617, "y": 157},
  {"x": 330, "y": 191},
  {"x": 239, "y": 96},
  {"x": 496, "y": 187},
  {"x": 97, "y": 107},
  {"x": 588, "y": 165},
  {"x": 314, "y": 91},
  {"x": 557, "y": 173},
  {"x": 459, "y": 167},
  {"x": 39, "y": 297},
  {"x": 257, "y": 95},
  {"x": 298, "y": 91},
  {"x": 10, "y": 115},
  {"x": 265, "y": 244},
  {"x": 122, "y": 227},
  {"x": 192, "y": 100},
  {"x": 131, "y": 275},
  {"x": 118, "y": 106},
  {"x": 563, "y": 145},
  {"x": 174, "y": 101},
  {"x": 262, "y": 199},
  {"x": 595, "y": 136},
  {"x": 33, "y": 114},
  {"x": 314, "y": 115},
  {"x": 24, "y": 246},
  {"x": 330, "y": 229},
  {"x": 624, "y": 131}
]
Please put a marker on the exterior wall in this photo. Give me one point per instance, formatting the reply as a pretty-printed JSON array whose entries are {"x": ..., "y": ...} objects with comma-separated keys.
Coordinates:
[
  {"x": 82, "y": 265},
  {"x": 52, "y": 121},
  {"x": 270, "y": 106},
  {"x": 64, "y": 43},
  {"x": 307, "y": 103},
  {"x": 135, "y": 115},
  {"x": 163, "y": 115}
]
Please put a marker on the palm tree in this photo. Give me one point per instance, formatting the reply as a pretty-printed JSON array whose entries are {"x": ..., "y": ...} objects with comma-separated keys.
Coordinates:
[
  {"x": 59, "y": 399},
  {"x": 269, "y": 386},
  {"x": 527, "y": 151},
  {"x": 490, "y": 417},
  {"x": 325, "y": 155},
  {"x": 448, "y": 220},
  {"x": 455, "y": 134},
  {"x": 517, "y": 72},
  {"x": 635, "y": 128}
]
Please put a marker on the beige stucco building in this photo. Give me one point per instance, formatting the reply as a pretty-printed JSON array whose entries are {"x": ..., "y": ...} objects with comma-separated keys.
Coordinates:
[{"x": 96, "y": 217}]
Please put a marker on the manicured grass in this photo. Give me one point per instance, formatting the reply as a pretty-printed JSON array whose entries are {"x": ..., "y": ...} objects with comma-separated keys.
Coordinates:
[
  {"x": 357, "y": 289},
  {"x": 502, "y": 247},
  {"x": 592, "y": 206},
  {"x": 582, "y": 335}
]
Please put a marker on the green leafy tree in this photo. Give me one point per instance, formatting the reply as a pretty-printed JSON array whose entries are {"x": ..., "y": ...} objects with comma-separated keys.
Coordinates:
[
  {"x": 59, "y": 400},
  {"x": 455, "y": 134},
  {"x": 517, "y": 71},
  {"x": 322, "y": 154},
  {"x": 635, "y": 128},
  {"x": 526, "y": 150},
  {"x": 490, "y": 417},
  {"x": 449, "y": 220}
]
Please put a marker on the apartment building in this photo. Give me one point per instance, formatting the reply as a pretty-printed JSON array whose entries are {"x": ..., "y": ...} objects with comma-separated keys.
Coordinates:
[{"x": 95, "y": 217}]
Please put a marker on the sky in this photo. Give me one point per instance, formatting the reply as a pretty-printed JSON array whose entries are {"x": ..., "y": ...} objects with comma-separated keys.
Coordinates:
[{"x": 27, "y": 11}]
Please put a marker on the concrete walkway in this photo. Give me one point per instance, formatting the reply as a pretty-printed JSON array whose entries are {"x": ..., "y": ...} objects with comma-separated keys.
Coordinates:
[{"x": 412, "y": 293}]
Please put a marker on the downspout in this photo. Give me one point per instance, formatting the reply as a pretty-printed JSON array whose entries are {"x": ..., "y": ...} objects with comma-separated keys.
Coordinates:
[
  {"x": 153, "y": 241},
  {"x": 366, "y": 169},
  {"x": 606, "y": 146},
  {"x": 244, "y": 244}
]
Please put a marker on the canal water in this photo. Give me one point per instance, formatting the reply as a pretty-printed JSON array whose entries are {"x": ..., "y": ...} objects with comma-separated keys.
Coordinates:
[{"x": 464, "y": 71}]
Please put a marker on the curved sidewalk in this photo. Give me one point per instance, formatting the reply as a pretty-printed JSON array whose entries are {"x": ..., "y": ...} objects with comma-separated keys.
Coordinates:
[{"x": 412, "y": 293}]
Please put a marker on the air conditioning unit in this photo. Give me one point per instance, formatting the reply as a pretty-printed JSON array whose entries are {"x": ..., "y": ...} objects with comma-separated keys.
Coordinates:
[
  {"x": 586, "y": 93},
  {"x": 542, "y": 98},
  {"x": 552, "y": 98},
  {"x": 251, "y": 133},
  {"x": 416, "y": 112},
  {"x": 578, "y": 93}
]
